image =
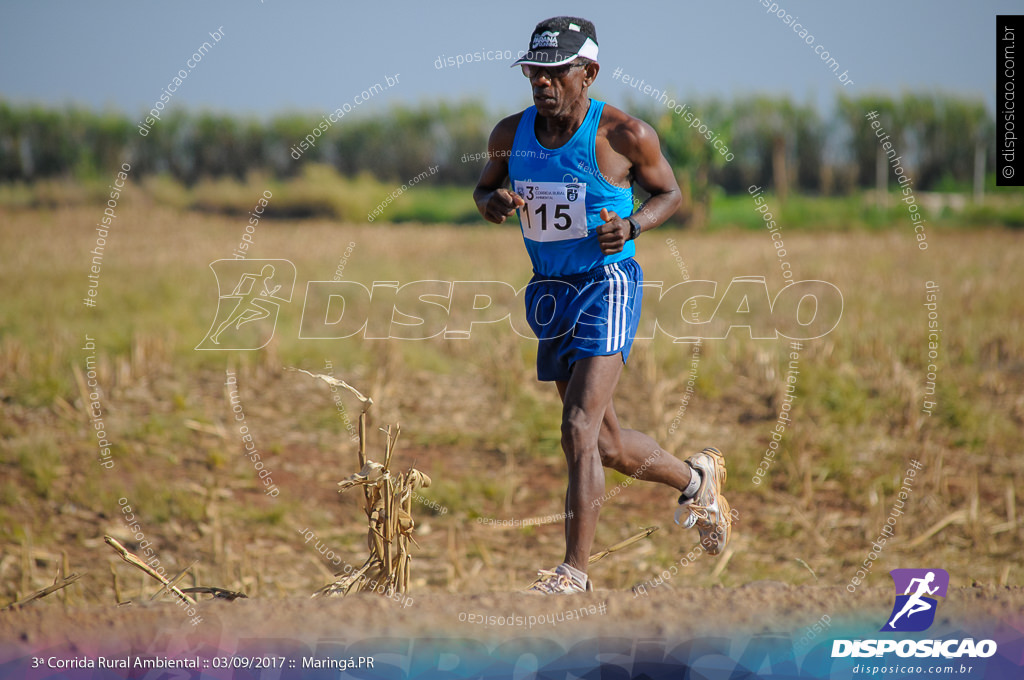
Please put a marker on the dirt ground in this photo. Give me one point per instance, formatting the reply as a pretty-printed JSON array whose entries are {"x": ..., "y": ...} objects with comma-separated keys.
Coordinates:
[
  {"x": 758, "y": 608},
  {"x": 764, "y": 629}
]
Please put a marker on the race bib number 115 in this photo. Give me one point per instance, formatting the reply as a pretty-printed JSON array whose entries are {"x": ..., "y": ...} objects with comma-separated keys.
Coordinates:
[{"x": 554, "y": 211}]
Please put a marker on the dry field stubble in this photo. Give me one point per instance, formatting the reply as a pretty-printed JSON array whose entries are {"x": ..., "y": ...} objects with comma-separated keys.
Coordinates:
[{"x": 475, "y": 420}]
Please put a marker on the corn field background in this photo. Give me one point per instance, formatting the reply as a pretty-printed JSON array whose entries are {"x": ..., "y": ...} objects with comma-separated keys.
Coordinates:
[{"x": 476, "y": 422}]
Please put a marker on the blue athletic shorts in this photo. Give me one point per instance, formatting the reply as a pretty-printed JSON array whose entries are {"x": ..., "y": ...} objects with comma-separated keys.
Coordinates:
[{"x": 584, "y": 315}]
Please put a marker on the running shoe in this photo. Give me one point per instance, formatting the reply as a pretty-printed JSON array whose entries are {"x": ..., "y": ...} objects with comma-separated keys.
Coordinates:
[
  {"x": 708, "y": 510},
  {"x": 554, "y": 582}
]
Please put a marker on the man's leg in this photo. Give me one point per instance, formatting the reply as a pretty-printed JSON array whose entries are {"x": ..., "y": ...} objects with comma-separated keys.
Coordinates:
[
  {"x": 585, "y": 399},
  {"x": 633, "y": 453}
]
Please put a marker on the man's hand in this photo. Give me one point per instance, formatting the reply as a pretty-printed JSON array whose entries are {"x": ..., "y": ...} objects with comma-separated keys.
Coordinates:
[
  {"x": 613, "y": 234},
  {"x": 501, "y": 204}
]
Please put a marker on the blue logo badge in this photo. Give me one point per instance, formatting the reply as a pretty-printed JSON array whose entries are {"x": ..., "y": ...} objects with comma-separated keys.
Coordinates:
[{"x": 916, "y": 593}]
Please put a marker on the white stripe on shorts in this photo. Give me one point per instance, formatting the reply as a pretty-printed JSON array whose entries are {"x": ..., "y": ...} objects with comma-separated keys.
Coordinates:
[
  {"x": 611, "y": 307},
  {"x": 623, "y": 308},
  {"x": 617, "y": 294}
]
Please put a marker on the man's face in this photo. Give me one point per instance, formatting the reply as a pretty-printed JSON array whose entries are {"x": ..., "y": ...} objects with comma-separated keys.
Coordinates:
[{"x": 556, "y": 90}]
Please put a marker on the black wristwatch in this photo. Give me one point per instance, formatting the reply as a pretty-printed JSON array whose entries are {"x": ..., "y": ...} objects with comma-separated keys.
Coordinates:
[{"x": 634, "y": 228}]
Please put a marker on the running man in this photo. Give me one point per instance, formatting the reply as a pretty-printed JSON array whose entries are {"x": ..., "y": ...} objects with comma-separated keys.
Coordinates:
[
  {"x": 915, "y": 603},
  {"x": 572, "y": 161},
  {"x": 250, "y": 304}
]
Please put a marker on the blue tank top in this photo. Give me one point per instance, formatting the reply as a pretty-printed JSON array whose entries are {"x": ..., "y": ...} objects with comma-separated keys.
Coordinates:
[{"x": 564, "y": 193}]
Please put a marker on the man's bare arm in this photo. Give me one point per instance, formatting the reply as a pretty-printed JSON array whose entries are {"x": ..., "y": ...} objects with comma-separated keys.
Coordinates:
[
  {"x": 637, "y": 141},
  {"x": 493, "y": 200}
]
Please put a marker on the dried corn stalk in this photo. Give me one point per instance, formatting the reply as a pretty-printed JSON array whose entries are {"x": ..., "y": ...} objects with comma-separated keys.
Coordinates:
[
  {"x": 134, "y": 560},
  {"x": 388, "y": 506}
]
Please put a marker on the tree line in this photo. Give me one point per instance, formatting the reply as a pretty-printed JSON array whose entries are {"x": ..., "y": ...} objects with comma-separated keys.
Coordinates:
[{"x": 947, "y": 142}]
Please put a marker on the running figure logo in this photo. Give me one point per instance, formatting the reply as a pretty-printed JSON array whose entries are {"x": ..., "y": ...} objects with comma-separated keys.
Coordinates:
[
  {"x": 259, "y": 287},
  {"x": 914, "y": 610}
]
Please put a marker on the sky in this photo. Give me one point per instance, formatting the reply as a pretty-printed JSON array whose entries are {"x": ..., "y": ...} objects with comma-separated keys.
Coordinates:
[{"x": 278, "y": 56}]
